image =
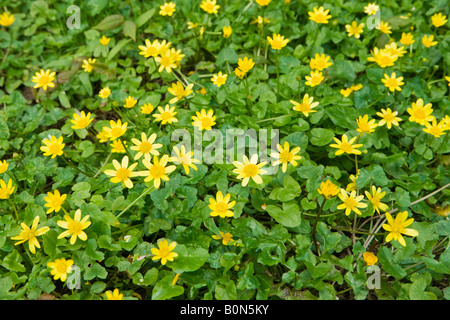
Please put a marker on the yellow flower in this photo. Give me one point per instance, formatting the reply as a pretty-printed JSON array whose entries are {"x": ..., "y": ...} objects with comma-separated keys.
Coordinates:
[
  {"x": 167, "y": 61},
  {"x": 277, "y": 42},
  {"x": 260, "y": 21},
  {"x": 146, "y": 147},
  {"x": 245, "y": 64},
  {"x": 354, "y": 29},
  {"x": 346, "y": 146},
  {"x": 407, "y": 39},
  {"x": 179, "y": 91},
  {"x": 397, "y": 227},
  {"x": 328, "y": 189},
  {"x": 434, "y": 128},
  {"x": 30, "y": 234},
  {"x": 356, "y": 87},
  {"x": 239, "y": 73},
  {"x": 167, "y": 9},
  {"x": 104, "y": 40},
  {"x": 150, "y": 49},
  {"x": 118, "y": 146},
  {"x": 60, "y": 268},
  {"x": 351, "y": 202},
  {"x": 442, "y": 211},
  {"x": 129, "y": 102},
  {"x": 74, "y": 226},
  {"x": 384, "y": 27},
  {"x": 204, "y": 120},
  {"x": 122, "y": 172},
  {"x": 164, "y": 251},
  {"x": 263, "y": 2},
  {"x": 81, "y": 121},
  {"x": 114, "y": 295},
  {"x": 227, "y": 30},
  {"x": 346, "y": 92},
  {"x": 394, "y": 50},
  {"x": 286, "y": 156},
  {"x": 427, "y": 41},
  {"x": 184, "y": 158},
  {"x": 157, "y": 171},
  {"x": 44, "y": 79},
  {"x": 6, "y": 189},
  {"x": 209, "y": 6},
  {"x": 384, "y": 58},
  {"x": 53, "y": 146},
  {"x": 226, "y": 237},
  {"x": 166, "y": 115},
  {"x": 392, "y": 82},
  {"x": 176, "y": 55},
  {"x": 54, "y": 201},
  {"x": 192, "y": 25},
  {"x": 364, "y": 125},
  {"x": 438, "y": 19},
  {"x": 221, "y": 205},
  {"x": 88, "y": 64},
  {"x": 147, "y": 108},
  {"x": 388, "y": 118},
  {"x": 103, "y": 135},
  {"x": 352, "y": 185},
  {"x": 320, "y": 62},
  {"x": 116, "y": 129},
  {"x": 249, "y": 169},
  {"x": 448, "y": 80},
  {"x": 420, "y": 113},
  {"x": 104, "y": 93},
  {"x": 3, "y": 166},
  {"x": 163, "y": 47},
  {"x": 314, "y": 79},
  {"x": 319, "y": 15},
  {"x": 370, "y": 258},
  {"x": 371, "y": 8},
  {"x": 6, "y": 19},
  {"x": 375, "y": 199},
  {"x": 219, "y": 79}
]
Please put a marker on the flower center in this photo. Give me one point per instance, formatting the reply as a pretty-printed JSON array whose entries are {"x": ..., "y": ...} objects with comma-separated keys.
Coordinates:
[
  {"x": 75, "y": 228},
  {"x": 166, "y": 115},
  {"x": 145, "y": 147},
  {"x": 157, "y": 171},
  {"x": 122, "y": 174},
  {"x": 250, "y": 170},
  {"x": 221, "y": 207},
  {"x": 346, "y": 147},
  {"x": 286, "y": 156},
  {"x": 61, "y": 267},
  {"x": 116, "y": 132},
  {"x": 54, "y": 148}
]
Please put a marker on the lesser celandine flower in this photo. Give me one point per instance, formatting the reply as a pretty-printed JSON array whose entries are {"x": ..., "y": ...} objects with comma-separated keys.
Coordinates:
[
  {"x": 319, "y": 15},
  {"x": 245, "y": 64},
  {"x": 116, "y": 129},
  {"x": 166, "y": 115},
  {"x": 371, "y": 8},
  {"x": 210, "y": 6},
  {"x": 369, "y": 258},
  {"x": 260, "y": 21},
  {"x": 81, "y": 120},
  {"x": 185, "y": 158},
  {"x": 397, "y": 227},
  {"x": 54, "y": 201},
  {"x": 352, "y": 185},
  {"x": 122, "y": 172},
  {"x": 277, "y": 42},
  {"x": 44, "y": 79},
  {"x": 365, "y": 125},
  {"x": 428, "y": 42},
  {"x": 394, "y": 50},
  {"x": 166, "y": 61},
  {"x": 286, "y": 156},
  {"x": 420, "y": 113},
  {"x": 346, "y": 92},
  {"x": 6, "y": 19},
  {"x": 220, "y": 206},
  {"x": 192, "y": 25},
  {"x": 351, "y": 202},
  {"x": 388, "y": 118},
  {"x": 147, "y": 108},
  {"x": 164, "y": 251},
  {"x": 384, "y": 27},
  {"x": 129, "y": 102},
  {"x": 225, "y": 237},
  {"x": 263, "y": 2},
  {"x": 167, "y": 9},
  {"x": 60, "y": 268},
  {"x": 393, "y": 82},
  {"x": 103, "y": 136},
  {"x": 3, "y": 166},
  {"x": 203, "y": 120},
  {"x": 118, "y": 146},
  {"x": 375, "y": 198},
  {"x": 249, "y": 169},
  {"x": 346, "y": 146},
  {"x": 320, "y": 62},
  {"x": 438, "y": 19},
  {"x": 239, "y": 73},
  {"x": 74, "y": 227},
  {"x": 442, "y": 211},
  {"x": 328, "y": 189},
  {"x": 145, "y": 147},
  {"x": 150, "y": 49},
  {"x": 219, "y": 79},
  {"x": 407, "y": 39},
  {"x": 88, "y": 64},
  {"x": 314, "y": 79},
  {"x": 227, "y": 30},
  {"x": 354, "y": 29},
  {"x": 104, "y": 93},
  {"x": 114, "y": 295},
  {"x": 157, "y": 171},
  {"x": 104, "y": 40},
  {"x": 434, "y": 128},
  {"x": 30, "y": 234},
  {"x": 53, "y": 146},
  {"x": 179, "y": 91},
  {"x": 384, "y": 58},
  {"x": 6, "y": 189}
]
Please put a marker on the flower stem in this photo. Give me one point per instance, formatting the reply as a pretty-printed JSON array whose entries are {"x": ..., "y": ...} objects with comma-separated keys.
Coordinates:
[
  {"x": 315, "y": 226},
  {"x": 149, "y": 189},
  {"x": 15, "y": 209}
]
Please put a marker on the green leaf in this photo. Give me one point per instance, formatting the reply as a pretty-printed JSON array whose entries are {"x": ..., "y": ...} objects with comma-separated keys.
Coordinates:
[
  {"x": 226, "y": 291},
  {"x": 190, "y": 258},
  {"x": 321, "y": 137},
  {"x": 386, "y": 259},
  {"x": 289, "y": 216},
  {"x": 164, "y": 289},
  {"x": 110, "y": 22},
  {"x": 290, "y": 190},
  {"x": 227, "y": 54},
  {"x": 129, "y": 29},
  {"x": 12, "y": 262},
  {"x": 96, "y": 271},
  {"x": 143, "y": 18}
]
